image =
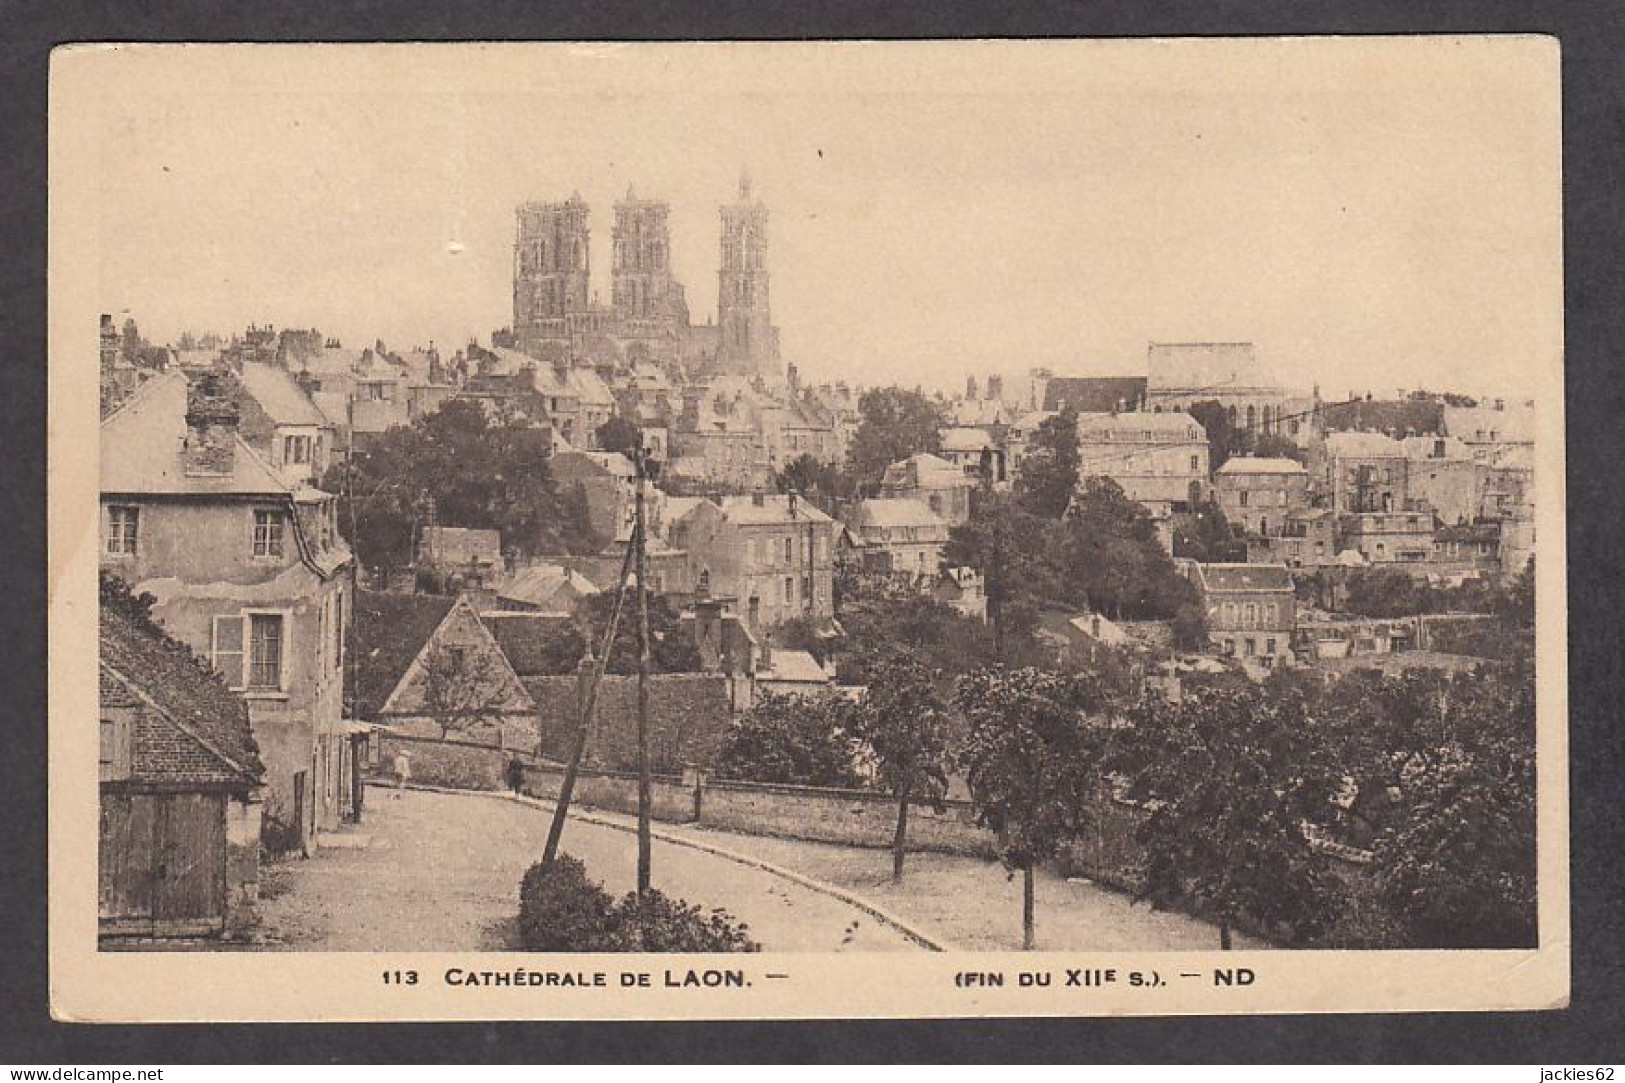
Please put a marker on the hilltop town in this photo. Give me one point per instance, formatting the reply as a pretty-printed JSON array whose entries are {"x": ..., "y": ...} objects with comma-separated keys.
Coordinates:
[{"x": 323, "y": 560}]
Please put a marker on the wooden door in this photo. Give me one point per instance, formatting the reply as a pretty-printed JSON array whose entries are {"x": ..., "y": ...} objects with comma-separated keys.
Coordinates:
[
  {"x": 163, "y": 864},
  {"x": 127, "y": 835},
  {"x": 189, "y": 876}
]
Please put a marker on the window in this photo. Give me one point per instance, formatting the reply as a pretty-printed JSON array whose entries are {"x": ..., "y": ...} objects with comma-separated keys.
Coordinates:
[
  {"x": 296, "y": 450},
  {"x": 115, "y": 745},
  {"x": 122, "y": 524},
  {"x": 789, "y": 550},
  {"x": 265, "y": 651},
  {"x": 789, "y": 589},
  {"x": 807, "y": 590},
  {"x": 1196, "y": 463},
  {"x": 226, "y": 650},
  {"x": 1243, "y": 497},
  {"x": 267, "y": 533},
  {"x": 1251, "y": 647},
  {"x": 705, "y": 584},
  {"x": 1269, "y": 646}
]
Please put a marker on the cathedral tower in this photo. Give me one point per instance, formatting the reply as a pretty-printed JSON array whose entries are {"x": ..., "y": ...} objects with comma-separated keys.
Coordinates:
[
  {"x": 551, "y": 267},
  {"x": 646, "y": 299},
  {"x": 748, "y": 343}
]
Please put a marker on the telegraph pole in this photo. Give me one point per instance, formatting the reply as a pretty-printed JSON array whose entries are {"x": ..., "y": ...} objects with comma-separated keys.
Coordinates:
[{"x": 640, "y": 540}]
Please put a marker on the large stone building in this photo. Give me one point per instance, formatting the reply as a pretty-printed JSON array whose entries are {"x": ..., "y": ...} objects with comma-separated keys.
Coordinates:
[
  {"x": 1161, "y": 460},
  {"x": 557, "y": 317},
  {"x": 771, "y": 556},
  {"x": 1258, "y": 494}
]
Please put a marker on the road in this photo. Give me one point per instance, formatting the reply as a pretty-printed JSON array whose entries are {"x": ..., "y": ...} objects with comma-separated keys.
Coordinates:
[{"x": 441, "y": 872}]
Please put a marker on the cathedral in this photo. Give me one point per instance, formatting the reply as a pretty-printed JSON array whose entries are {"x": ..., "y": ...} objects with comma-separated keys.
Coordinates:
[{"x": 556, "y": 319}]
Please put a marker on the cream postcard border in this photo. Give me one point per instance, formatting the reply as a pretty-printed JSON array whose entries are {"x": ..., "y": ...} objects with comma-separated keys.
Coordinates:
[{"x": 90, "y": 986}]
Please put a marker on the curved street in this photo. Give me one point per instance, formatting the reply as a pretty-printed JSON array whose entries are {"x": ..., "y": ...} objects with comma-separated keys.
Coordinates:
[{"x": 441, "y": 872}]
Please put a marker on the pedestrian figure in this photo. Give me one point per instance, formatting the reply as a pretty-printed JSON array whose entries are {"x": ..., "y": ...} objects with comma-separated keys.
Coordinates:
[
  {"x": 516, "y": 775},
  {"x": 403, "y": 771}
]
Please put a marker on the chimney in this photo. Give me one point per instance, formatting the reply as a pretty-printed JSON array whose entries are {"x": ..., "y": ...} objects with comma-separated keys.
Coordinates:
[
  {"x": 791, "y": 498},
  {"x": 211, "y": 426}
]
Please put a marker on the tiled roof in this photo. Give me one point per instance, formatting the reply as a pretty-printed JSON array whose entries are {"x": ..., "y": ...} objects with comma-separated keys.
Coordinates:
[
  {"x": 1245, "y": 577},
  {"x": 1421, "y": 416},
  {"x": 1169, "y": 423},
  {"x": 390, "y": 630},
  {"x": 194, "y": 729},
  {"x": 142, "y": 443},
  {"x": 283, "y": 400}
]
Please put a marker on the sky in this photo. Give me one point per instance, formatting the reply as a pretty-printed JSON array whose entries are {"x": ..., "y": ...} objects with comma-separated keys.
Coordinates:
[{"x": 1371, "y": 213}]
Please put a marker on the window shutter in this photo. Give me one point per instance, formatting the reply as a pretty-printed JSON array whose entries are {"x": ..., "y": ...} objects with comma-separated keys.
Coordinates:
[{"x": 226, "y": 650}]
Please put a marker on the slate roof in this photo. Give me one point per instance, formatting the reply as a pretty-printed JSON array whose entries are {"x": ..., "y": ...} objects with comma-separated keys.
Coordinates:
[
  {"x": 1246, "y": 464},
  {"x": 1363, "y": 445},
  {"x": 774, "y": 510},
  {"x": 1385, "y": 415},
  {"x": 548, "y": 587},
  {"x": 1244, "y": 577},
  {"x": 283, "y": 400},
  {"x": 1093, "y": 394},
  {"x": 794, "y": 667},
  {"x": 142, "y": 441},
  {"x": 894, "y": 512},
  {"x": 390, "y": 630},
  {"x": 194, "y": 729}
]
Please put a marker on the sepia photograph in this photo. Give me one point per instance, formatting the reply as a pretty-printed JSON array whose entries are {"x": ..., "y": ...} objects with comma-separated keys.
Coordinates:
[{"x": 669, "y": 505}]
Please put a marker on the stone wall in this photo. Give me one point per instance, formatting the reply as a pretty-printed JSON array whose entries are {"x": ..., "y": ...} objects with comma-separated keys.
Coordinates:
[
  {"x": 454, "y": 764},
  {"x": 689, "y": 715}
]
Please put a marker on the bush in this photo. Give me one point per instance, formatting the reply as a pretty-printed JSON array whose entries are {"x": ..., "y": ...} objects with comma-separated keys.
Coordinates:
[
  {"x": 655, "y": 922},
  {"x": 560, "y": 909}
]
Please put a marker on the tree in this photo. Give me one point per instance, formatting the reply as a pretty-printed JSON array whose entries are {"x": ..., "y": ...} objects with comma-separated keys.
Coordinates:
[
  {"x": 810, "y": 477},
  {"x": 1205, "y": 534},
  {"x": 671, "y": 648},
  {"x": 795, "y": 740},
  {"x": 1440, "y": 774},
  {"x": 905, "y": 724},
  {"x": 1012, "y": 549},
  {"x": 1109, "y": 559},
  {"x": 1229, "y": 775},
  {"x": 1385, "y": 592},
  {"x": 1033, "y": 756},
  {"x": 465, "y": 468},
  {"x": 462, "y": 687},
  {"x": 1227, "y": 439},
  {"x": 1049, "y": 472},
  {"x": 893, "y": 424},
  {"x": 619, "y": 434}
]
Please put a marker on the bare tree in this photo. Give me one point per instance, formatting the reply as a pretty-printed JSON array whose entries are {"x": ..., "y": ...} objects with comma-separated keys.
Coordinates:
[{"x": 462, "y": 687}]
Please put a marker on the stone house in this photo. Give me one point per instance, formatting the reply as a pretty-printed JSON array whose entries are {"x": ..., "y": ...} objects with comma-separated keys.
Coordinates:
[
  {"x": 1161, "y": 460},
  {"x": 1251, "y": 610},
  {"x": 936, "y": 482},
  {"x": 1389, "y": 538},
  {"x": 899, "y": 536},
  {"x": 771, "y": 556},
  {"x": 181, "y": 788},
  {"x": 1363, "y": 472},
  {"x": 610, "y": 482},
  {"x": 1259, "y": 495},
  {"x": 281, "y": 422},
  {"x": 248, "y": 571},
  {"x": 1307, "y": 539},
  {"x": 976, "y": 452}
]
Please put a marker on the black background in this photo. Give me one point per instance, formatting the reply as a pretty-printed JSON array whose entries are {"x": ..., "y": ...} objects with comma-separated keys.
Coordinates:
[{"x": 1593, "y": 42}]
